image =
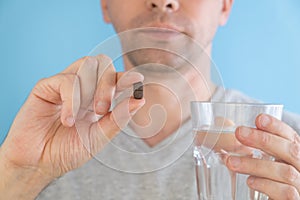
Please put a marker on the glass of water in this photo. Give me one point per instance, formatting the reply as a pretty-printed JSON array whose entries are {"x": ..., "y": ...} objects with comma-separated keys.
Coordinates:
[{"x": 214, "y": 124}]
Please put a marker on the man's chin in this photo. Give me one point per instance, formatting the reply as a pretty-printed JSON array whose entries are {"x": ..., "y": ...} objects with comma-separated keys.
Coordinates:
[{"x": 159, "y": 57}]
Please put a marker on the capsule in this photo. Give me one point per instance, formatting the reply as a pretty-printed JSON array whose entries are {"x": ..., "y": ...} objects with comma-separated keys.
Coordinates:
[{"x": 138, "y": 90}]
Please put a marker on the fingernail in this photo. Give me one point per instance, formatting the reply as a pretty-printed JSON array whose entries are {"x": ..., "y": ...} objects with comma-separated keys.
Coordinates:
[
  {"x": 250, "y": 180},
  {"x": 70, "y": 121},
  {"x": 244, "y": 132},
  {"x": 235, "y": 161},
  {"x": 265, "y": 120},
  {"x": 135, "y": 74},
  {"x": 91, "y": 61}
]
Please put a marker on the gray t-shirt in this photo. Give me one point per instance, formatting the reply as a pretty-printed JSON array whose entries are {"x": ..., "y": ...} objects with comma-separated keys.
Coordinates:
[{"x": 128, "y": 169}]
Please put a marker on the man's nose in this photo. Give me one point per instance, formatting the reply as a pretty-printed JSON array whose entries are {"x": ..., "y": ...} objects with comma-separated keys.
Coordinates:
[{"x": 163, "y": 5}]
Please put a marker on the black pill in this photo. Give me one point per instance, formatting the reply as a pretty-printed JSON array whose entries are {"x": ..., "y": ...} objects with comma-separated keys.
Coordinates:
[{"x": 138, "y": 90}]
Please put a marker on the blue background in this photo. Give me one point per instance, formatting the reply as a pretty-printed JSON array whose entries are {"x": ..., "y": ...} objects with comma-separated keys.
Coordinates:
[{"x": 258, "y": 52}]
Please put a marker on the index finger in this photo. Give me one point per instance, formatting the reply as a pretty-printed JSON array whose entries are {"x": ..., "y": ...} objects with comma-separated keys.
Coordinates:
[
  {"x": 87, "y": 74},
  {"x": 75, "y": 66},
  {"x": 270, "y": 124},
  {"x": 106, "y": 84},
  {"x": 111, "y": 83}
]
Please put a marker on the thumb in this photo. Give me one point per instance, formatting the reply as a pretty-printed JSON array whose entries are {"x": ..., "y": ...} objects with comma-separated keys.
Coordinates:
[{"x": 112, "y": 123}]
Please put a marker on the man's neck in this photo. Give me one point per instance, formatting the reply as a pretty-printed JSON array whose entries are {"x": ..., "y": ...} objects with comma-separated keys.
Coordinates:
[{"x": 168, "y": 97}]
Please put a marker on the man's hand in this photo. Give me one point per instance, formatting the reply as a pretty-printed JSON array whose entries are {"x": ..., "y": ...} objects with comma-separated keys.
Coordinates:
[
  {"x": 279, "y": 179},
  {"x": 59, "y": 127}
]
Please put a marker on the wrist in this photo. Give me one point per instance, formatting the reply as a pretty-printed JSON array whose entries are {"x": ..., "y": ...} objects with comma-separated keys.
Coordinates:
[{"x": 20, "y": 182}]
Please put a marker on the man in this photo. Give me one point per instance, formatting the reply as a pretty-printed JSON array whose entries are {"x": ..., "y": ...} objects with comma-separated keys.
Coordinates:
[{"x": 44, "y": 143}]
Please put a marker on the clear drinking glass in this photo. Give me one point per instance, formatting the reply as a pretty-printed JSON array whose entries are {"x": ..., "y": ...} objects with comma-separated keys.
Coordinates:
[{"x": 214, "y": 124}]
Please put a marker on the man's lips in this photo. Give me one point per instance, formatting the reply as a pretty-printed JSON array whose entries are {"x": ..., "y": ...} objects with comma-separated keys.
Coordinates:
[
  {"x": 161, "y": 31},
  {"x": 170, "y": 27}
]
